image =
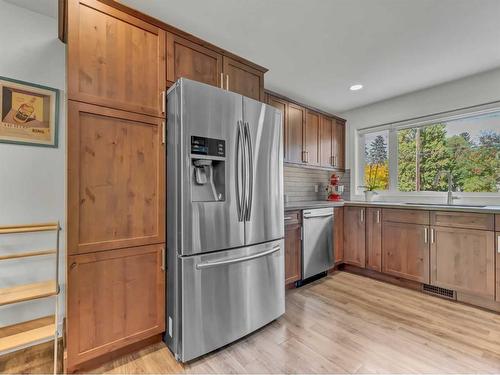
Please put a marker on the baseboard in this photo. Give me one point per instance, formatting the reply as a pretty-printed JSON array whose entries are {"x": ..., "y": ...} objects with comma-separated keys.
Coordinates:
[
  {"x": 98, "y": 361},
  {"x": 410, "y": 284},
  {"x": 463, "y": 298}
]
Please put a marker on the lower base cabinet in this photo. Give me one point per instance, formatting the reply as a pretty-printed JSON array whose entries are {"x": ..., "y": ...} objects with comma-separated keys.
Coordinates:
[
  {"x": 463, "y": 260},
  {"x": 354, "y": 236},
  {"x": 405, "y": 251},
  {"x": 293, "y": 247},
  {"x": 374, "y": 239},
  {"x": 115, "y": 298},
  {"x": 338, "y": 235},
  {"x": 498, "y": 257}
]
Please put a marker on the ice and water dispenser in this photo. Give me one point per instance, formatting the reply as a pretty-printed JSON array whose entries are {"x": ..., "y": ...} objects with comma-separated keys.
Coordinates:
[{"x": 208, "y": 169}]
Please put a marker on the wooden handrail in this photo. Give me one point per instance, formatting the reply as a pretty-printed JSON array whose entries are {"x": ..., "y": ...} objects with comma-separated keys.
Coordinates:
[{"x": 42, "y": 227}]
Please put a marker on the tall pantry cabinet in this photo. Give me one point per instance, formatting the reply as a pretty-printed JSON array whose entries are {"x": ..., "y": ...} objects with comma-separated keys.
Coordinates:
[{"x": 116, "y": 180}]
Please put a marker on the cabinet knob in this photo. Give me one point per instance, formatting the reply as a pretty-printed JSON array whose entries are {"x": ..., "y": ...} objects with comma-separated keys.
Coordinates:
[{"x": 73, "y": 265}]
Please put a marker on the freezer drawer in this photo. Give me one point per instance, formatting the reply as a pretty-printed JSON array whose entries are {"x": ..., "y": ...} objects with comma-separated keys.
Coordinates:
[
  {"x": 317, "y": 244},
  {"x": 228, "y": 294}
]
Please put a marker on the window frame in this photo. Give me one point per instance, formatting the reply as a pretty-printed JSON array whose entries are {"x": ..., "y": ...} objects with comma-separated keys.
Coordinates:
[{"x": 392, "y": 152}]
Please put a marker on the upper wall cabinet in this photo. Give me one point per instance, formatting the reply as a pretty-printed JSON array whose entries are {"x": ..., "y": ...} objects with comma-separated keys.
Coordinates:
[
  {"x": 243, "y": 79},
  {"x": 116, "y": 179},
  {"x": 199, "y": 63},
  {"x": 310, "y": 138},
  {"x": 294, "y": 134},
  {"x": 311, "y": 150},
  {"x": 325, "y": 141},
  {"x": 114, "y": 59},
  {"x": 338, "y": 144},
  {"x": 192, "y": 61}
]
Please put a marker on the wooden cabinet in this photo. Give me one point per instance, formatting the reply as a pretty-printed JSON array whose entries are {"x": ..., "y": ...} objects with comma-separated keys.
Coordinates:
[
  {"x": 469, "y": 220},
  {"x": 311, "y": 146},
  {"x": 116, "y": 179},
  {"x": 293, "y": 246},
  {"x": 117, "y": 298},
  {"x": 374, "y": 239},
  {"x": 497, "y": 247},
  {"x": 243, "y": 79},
  {"x": 405, "y": 250},
  {"x": 338, "y": 144},
  {"x": 114, "y": 59},
  {"x": 325, "y": 142},
  {"x": 310, "y": 138},
  {"x": 338, "y": 235},
  {"x": 463, "y": 260},
  {"x": 282, "y": 105},
  {"x": 192, "y": 61},
  {"x": 294, "y": 134},
  {"x": 354, "y": 236}
]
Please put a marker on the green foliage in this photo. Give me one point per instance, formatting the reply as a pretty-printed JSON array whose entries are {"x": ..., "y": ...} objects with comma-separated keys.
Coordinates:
[
  {"x": 474, "y": 167},
  {"x": 407, "y": 159}
]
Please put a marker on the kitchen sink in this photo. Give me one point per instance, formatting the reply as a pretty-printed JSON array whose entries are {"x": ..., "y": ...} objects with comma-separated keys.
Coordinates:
[{"x": 446, "y": 205}]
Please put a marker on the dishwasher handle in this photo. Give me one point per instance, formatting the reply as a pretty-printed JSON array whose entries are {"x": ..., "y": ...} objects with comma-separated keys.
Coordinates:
[{"x": 321, "y": 215}]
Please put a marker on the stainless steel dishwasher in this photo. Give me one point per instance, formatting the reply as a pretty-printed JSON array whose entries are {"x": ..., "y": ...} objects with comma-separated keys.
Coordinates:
[{"x": 317, "y": 244}]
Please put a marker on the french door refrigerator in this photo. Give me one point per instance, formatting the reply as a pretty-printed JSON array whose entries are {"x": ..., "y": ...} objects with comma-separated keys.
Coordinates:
[{"x": 225, "y": 248}]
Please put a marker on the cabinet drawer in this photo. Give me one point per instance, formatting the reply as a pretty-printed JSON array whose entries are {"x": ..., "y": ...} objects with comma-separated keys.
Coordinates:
[
  {"x": 469, "y": 220},
  {"x": 405, "y": 216},
  {"x": 497, "y": 222},
  {"x": 293, "y": 217}
]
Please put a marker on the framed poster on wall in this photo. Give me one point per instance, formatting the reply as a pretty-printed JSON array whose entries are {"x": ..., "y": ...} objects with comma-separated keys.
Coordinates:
[{"x": 29, "y": 113}]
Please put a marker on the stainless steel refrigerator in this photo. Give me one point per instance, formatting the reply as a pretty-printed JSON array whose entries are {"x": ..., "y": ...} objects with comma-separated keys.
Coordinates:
[{"x": 225, "y": 248}]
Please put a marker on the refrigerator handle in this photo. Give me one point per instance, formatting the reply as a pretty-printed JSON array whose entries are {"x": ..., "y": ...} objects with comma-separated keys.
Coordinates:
[
  {"x": 239, "y": 196},
  {"x": 249, "y": 172}
]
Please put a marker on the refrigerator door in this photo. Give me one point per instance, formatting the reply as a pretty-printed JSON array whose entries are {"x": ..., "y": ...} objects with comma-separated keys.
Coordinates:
[
  {"x": 207, "y": 112},
  {"x": 228, "y": 294},
  {"x": 264, "y": 198}
]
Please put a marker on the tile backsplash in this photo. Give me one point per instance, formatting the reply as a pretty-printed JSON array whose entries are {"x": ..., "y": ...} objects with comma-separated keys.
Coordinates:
[{"x": 301, "y": 183}]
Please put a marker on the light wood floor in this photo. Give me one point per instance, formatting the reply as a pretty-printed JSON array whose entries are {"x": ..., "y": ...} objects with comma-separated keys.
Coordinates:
[{"x": 350, "y": 324}]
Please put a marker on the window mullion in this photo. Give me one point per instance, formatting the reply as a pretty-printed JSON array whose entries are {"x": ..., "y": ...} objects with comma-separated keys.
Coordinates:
[{"x": 393, "y": 160}]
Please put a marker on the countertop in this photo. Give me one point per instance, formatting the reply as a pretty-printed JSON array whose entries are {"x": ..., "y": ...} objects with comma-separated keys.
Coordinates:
[{"x": 410, "y": 206}]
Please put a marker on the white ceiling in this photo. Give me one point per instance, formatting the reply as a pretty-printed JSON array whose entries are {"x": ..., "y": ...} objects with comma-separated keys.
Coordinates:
[{"x": 316, "y": 49}]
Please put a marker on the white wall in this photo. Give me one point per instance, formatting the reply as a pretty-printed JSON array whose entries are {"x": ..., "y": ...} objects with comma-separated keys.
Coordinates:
[
  {"x": 469, "y": 91},
  {"x": 32, "y": 179}
]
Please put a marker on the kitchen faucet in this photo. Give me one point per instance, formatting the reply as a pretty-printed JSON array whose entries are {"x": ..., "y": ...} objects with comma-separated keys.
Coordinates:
[{"x": 450, "y": 198}]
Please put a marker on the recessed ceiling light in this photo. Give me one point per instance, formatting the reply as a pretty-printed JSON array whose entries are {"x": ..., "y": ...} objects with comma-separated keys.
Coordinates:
[{"x": 356, "y": 87}]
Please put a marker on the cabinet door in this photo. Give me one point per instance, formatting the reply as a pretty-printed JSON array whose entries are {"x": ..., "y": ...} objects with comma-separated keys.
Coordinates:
[
  {"x": 338, "y": 233},
  {"x": 374, "y": 239},
  {"x": 116, "y": 179},
  {"x": 283, "y": 107},
  {"x": 294, "y": 134},
  {"x": 498, "y": 258},
  {"x": 463, "y": 260},
  {"x": 312, "y": 138},
  {"x": 405, "y": 251},
  {"x": 293, "y": 253},
  {"x": 114, "y": 59},
  {"x": 243, "y": 79},
  {"x": 338, "y": 144},
  {"x": 354, "y": 236},
  {"x": 115, "y": 298},
  {"x": 325, "y": 142},
  {"x": 192, "y": 61}
]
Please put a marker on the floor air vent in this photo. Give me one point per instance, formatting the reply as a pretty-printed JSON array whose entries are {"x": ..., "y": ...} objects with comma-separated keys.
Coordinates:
[{"x": 440, "y": 292}]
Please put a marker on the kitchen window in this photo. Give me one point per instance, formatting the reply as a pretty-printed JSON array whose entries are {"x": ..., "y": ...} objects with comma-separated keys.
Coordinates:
[{"x": 467, "y": 145}]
